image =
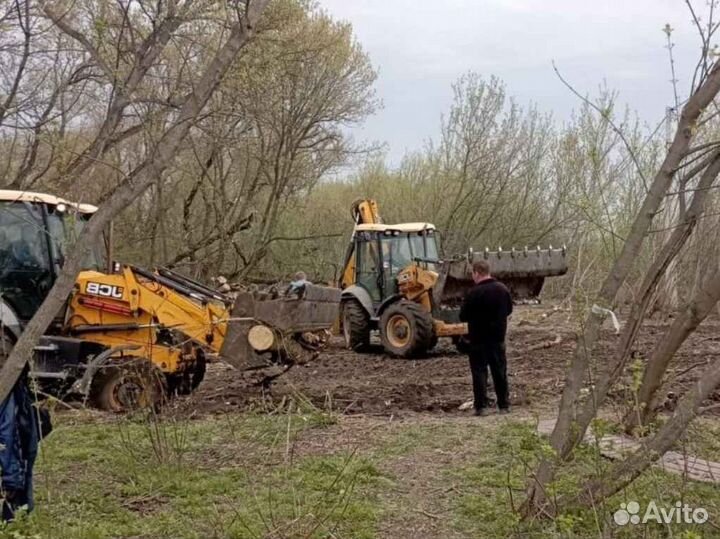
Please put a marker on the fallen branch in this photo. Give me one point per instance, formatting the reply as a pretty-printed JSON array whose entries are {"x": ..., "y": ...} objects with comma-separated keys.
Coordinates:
[
  {"x": 690, "y": 368},
  {"x": 545, "y": 344},
  {"x": 429, "y": 515},
  {"x": 708, "y": 408}
]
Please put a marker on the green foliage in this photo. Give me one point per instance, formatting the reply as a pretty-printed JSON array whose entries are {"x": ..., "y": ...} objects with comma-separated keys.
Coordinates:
[
  {"x": 274, "y": 129},
  {"x": 497, "y": 175},
  {"x": 493, "y": 487},
  {"x": 232, "y": 476},
  {"x": 243, "y": 476}
]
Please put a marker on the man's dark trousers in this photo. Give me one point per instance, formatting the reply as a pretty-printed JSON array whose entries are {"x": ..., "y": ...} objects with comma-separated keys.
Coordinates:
[{"x": 492, "y": 356}]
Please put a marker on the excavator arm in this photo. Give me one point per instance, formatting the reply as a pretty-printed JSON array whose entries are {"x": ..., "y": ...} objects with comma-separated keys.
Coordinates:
[
  {"x": 125, "y": 338},
  {"x": 174, "y": 322},
  {"x": 364, "y": 211}
]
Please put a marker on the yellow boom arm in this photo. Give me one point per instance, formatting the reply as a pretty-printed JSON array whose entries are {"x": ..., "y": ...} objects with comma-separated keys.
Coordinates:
[{"x": 364, "y": 211}]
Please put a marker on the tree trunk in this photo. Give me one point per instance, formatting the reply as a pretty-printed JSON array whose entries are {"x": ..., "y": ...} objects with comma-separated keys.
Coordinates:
[
  {"x": 567, "y": 433},
  {"x": 658, "y": 268},
  {"x": 704, "y": 300},
  {"x": 623, "y": 473}
]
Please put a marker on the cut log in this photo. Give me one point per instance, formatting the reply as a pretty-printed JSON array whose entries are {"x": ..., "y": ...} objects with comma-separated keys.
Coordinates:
[{"x": 261, "y": 338}]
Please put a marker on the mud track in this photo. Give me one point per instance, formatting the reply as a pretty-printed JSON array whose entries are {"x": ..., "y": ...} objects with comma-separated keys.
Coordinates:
[{"x": 539, "y": 349}]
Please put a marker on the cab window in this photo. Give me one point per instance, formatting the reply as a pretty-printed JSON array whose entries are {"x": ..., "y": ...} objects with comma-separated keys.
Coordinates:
[{"x": 25, "y": 269}]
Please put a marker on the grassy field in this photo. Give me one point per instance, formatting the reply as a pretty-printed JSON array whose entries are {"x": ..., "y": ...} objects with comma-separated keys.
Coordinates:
[{"x": 308, "y": 474}]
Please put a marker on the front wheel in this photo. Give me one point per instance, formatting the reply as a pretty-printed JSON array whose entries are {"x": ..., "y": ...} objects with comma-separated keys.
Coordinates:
[
  {"x": 406, "y": 329},
  {"x": 128, "y": 387}
]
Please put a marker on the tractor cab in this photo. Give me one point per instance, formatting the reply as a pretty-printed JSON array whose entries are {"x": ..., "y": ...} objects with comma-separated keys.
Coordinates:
[
  {"x": 383, "y": 252},
  {"x": 35, "y": 231}
]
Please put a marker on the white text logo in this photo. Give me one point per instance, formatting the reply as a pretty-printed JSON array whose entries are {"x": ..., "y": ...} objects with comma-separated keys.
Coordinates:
[{"x": 679, "y": 513}]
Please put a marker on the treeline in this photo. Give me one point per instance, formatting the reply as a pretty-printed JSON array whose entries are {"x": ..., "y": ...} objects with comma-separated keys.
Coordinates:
[
  {"x": 253, "y": 192},
  {"x": 501, "y": 175}
]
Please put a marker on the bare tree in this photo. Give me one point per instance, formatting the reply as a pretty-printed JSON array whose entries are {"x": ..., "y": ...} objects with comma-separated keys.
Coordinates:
[
  {"x": 139, "y": 55},
  {"x": 625, "y": 471},
  {"x": 576, "y": 413},
  {"x": 44, "y": 81},
  {"x": 275, "y": 127}
]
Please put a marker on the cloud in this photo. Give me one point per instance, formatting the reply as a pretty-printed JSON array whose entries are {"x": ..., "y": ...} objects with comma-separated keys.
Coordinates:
[{"x": 422, "y": 46}]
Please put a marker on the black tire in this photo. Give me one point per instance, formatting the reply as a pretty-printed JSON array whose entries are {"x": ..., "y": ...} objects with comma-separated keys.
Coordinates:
[
  {"x": 187, "y": 381},
  {"x": 406, "y": 329},
  {"x": 356, "y": 325},
  {"x": 128, "y": 387},
  {"x": 198, "y": 372}
]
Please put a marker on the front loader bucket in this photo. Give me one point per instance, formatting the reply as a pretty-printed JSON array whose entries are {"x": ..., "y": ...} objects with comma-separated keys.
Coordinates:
[
  {"x": 523, "y": 272},
  {"x": 288, "y": 320}
]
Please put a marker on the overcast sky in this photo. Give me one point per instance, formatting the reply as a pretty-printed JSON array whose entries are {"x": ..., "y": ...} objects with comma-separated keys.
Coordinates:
[{"x": 419, "y": 47}]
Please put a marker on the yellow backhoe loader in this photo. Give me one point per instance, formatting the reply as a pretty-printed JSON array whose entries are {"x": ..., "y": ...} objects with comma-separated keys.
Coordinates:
[
  {"x": 394, "y": 281},
  {"x": 129, "y": 336}
]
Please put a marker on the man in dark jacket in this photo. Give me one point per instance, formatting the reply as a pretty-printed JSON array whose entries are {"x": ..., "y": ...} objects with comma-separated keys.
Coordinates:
[{"x": 486, "y": 309}]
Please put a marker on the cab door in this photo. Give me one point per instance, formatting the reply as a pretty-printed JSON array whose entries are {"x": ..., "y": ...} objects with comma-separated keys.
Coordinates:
[
  {"x": 369, "y": 266},
  {"x": 25, "y": 271}
]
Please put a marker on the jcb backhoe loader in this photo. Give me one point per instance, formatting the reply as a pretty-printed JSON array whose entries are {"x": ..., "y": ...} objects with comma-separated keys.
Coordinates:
[
  {"x": 394, "y": 281},
  {"x": 129, "y": 336}
]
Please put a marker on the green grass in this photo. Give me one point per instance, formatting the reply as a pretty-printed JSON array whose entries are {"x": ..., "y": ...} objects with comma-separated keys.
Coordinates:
[
  {"x": 244, "y": 476},
  {"x": 493, "y": 487},
  {"x": 226, "y": 477},
  {"x": 702, "y": 440}
]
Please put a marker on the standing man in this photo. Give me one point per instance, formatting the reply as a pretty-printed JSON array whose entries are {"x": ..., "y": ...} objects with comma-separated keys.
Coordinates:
[{"x": 485, "y": 309}]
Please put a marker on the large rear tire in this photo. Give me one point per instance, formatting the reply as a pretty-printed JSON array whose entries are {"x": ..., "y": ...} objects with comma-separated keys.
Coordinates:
[
  {"x": 128, "y": 387},
  {"x": 356, "y": 325},
  {"x": 406, "y": 329},
  {"x": 186, "y": 382}
]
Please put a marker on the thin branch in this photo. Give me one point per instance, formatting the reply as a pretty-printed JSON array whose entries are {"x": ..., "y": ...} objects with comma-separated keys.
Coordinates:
[
  {"x": 60, "y": 21},
  {"x": 607, "y": 118},
  {"x": 701, "y": 217},
  {"x": 303, "y": 238}
]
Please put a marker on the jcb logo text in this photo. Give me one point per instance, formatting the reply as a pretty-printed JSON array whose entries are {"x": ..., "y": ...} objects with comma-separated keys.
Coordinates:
[{"x": 106, "y": 290}]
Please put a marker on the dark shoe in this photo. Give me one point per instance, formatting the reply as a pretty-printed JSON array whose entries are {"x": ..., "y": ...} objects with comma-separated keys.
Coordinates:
[
  {"x": 482, "y": 412},
  {"x": 504, "y": 411}
]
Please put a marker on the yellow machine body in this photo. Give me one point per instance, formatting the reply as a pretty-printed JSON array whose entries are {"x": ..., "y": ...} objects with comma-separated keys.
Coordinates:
[
  {"x": 129, "y": 335},
  {"x": 127, "y": 308}
]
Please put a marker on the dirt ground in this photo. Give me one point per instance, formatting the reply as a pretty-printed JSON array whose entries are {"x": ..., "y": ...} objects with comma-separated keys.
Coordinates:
[{"x": 540, "y": 344}]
